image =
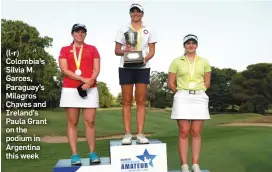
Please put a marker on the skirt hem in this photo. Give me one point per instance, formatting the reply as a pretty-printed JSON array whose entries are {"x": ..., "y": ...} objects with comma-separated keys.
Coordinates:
[{"x": 190, "y": 119}]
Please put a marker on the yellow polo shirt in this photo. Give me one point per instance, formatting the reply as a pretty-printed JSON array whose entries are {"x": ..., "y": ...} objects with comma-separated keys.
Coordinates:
[{"x": 180, "y": 67}]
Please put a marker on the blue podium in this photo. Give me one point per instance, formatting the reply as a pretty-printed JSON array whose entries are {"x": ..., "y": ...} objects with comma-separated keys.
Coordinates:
[
  {"x": 150, "y": 157},
  {"x": 64, "y": 165}
]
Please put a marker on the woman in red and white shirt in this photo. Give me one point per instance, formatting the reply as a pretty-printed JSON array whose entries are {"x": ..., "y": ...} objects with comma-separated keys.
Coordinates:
[{"x": 80, "y": 64}]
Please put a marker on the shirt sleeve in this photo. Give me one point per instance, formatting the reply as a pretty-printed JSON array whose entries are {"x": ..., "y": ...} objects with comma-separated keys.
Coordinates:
[
  {"x": 62, "y": 54},
  {"x": 207, "y": 67},
  {"x": 95, "y": 53},
  {"x": 120, "y": 37},
  {"x": 152, "y": 37},
  {"x": 173, "y": 67}
]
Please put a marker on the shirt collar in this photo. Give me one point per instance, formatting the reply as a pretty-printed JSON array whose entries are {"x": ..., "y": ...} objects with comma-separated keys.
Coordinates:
[
  {"x": 184, "y": 58},
  {"x": 143, "y": 24},
  {"x": 84, "y": 45}
]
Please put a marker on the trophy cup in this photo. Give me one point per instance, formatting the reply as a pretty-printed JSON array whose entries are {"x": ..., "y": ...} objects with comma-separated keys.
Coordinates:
[{"x": 132, "y": 58}]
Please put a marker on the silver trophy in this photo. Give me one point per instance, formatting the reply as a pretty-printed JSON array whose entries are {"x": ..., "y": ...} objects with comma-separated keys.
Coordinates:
[{"x": 132, "y": 58}]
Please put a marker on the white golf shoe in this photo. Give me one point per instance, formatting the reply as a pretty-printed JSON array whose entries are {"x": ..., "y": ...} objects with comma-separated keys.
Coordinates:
[
  {"x": 141, "y": 139},
  {"x": 196, "y": 168},
  {"x": 127, "y": 140},
  {"x": 185, "y": 168}
]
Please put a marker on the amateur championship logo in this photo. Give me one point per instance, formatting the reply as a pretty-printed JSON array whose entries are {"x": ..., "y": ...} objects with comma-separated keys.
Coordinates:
[{"x": 141, "y": 162}]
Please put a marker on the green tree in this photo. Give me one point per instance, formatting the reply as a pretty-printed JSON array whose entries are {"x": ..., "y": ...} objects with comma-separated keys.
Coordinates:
[
  {"x": 25, "y": 39},
  {"x": 266, "y": 86},
  {"x": 258, "y": 104},
  {"x": 253, "y": 85},
  {"x": 219, "y": 91},
  {"x": 119, "y": 99},
  {"x": 106, "y": 99},
  {"x": 158, "y": 90}
]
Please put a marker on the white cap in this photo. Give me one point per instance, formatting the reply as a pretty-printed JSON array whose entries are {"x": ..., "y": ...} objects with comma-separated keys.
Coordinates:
[
  {"x": 137, "y": 6},
  {"x": 190, "y": 37}
]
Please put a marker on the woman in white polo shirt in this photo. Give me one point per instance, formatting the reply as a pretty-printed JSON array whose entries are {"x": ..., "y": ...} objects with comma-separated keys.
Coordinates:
[
  {"x": 189, "y": 78},
  {"x": 136, "y": 75}
]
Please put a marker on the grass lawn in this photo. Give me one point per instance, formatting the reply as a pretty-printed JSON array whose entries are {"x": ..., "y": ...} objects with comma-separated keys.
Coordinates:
[{"x": 225, "y": 149}]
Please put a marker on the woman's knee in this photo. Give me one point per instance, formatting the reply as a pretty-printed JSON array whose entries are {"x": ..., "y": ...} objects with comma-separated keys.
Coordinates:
[
  {"x": 127, "y": 95},
  {"x": 184, "y": 132},
  {"x": 196, "y": 128},
  {"x": 127, "y": 101},
  {"x": 140, "y": 94},
  {"x": 89, "y": 123},
  {"x": 72, "y": 123},
  {"x": 196, "y": 132},
  {"x": 72, "y": 117},
  {"x": 140, "y": 101}
]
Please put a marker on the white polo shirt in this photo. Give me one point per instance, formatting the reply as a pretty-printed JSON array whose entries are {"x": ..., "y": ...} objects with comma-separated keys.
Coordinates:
[{"x": 148, "y": 36}]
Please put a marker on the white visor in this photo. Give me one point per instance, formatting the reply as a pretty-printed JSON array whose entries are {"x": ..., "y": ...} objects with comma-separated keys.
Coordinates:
[
  {"x": 137, "y": 6},
  {"x": 190, "y": 37}
]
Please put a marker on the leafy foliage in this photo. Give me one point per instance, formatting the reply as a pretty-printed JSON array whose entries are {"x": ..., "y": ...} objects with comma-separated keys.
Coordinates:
[
  {"x": 21, "y": 37},
  {"x": 106, "y": 99}
]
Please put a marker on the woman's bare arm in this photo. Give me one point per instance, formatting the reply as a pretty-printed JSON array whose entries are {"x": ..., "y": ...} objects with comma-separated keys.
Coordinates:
[
  {"x": 118, "y": 50},
  {"x": 172, "y": 82},
  {"x": 207, "y": 79},
  {"x": 151, "y": 52},
  {"x": 64, "y": 69},
  {"x": 96, "y": 69}
]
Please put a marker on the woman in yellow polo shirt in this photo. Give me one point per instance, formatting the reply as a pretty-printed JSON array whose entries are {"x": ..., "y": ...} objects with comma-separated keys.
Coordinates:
[{"x": 189, "y": 78}]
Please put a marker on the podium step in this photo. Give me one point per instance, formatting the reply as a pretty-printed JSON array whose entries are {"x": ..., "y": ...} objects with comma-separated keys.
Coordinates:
[
  {"x": 138, "y": 157},
  {"x": 119, "y": 143},
  {"x": 64, "y": 165},
  {"x": 180, "y": 171}
]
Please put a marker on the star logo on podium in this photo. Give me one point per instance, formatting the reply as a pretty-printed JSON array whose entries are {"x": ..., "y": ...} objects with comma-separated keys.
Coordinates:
[{"x": 146, "y": 157}]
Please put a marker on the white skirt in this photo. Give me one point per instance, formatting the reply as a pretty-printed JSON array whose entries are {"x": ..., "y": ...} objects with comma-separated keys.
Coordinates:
[
  {"x": 190, "y": 106},
  {"x": 71, "y": 98}
]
